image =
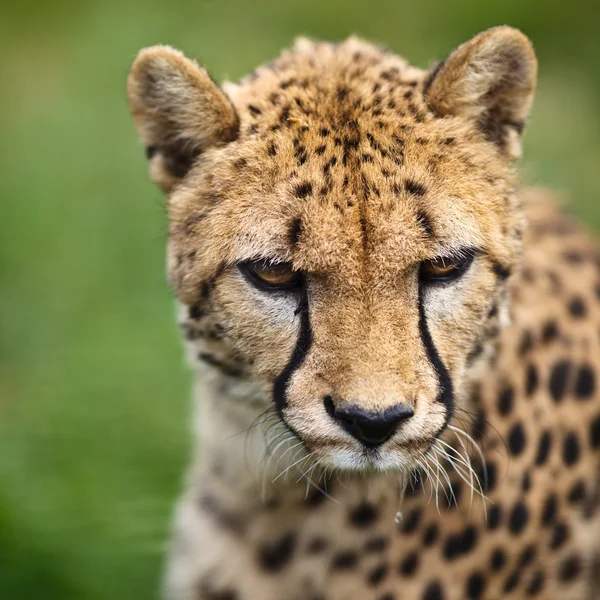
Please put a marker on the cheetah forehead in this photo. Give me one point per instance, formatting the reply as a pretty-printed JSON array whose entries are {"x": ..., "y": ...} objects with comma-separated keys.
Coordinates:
[{"x": 339, "y": 154}]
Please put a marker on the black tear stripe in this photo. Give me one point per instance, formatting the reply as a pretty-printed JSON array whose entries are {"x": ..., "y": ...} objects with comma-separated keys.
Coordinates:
[
  {"x": 303, "y": 345},
  {"x": 446, "y": 389}
]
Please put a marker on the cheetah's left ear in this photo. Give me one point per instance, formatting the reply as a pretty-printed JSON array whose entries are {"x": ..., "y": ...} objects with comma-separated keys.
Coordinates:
[{"x": 491, "y": 80}]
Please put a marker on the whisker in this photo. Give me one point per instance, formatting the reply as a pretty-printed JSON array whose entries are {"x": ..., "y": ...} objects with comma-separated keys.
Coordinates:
[{"x": 292, "y": 465}]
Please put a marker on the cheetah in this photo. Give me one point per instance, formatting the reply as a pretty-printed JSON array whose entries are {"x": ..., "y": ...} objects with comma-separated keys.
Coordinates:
[{"x": 397, "y": 346}]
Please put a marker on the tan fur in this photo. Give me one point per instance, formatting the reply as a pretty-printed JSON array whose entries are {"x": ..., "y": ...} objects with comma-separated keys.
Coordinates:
[{"x": 354, "y": 167}]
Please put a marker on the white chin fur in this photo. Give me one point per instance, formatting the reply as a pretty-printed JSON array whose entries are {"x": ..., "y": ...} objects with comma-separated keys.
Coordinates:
[{"x": 357, "y": 460}]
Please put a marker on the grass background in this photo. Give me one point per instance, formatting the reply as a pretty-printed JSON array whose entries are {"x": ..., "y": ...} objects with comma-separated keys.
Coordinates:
[{"x": 93, "y": 392}]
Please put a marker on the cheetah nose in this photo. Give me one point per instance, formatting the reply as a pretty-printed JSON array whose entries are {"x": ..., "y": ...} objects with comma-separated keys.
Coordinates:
[{"x": 370, "y": 428}]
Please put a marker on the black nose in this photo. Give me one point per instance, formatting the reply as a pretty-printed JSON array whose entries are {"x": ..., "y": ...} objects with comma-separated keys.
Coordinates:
[{"x": 371, "y": 428}]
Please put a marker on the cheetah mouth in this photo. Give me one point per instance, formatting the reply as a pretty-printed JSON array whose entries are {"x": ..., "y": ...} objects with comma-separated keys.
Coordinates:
[{"x": 352, "y": 456}]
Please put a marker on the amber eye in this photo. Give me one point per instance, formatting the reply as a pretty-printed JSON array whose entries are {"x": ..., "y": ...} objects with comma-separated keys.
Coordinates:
[
  {"x": 442, "y": 269},
  {"x": 271, "y": 276}
]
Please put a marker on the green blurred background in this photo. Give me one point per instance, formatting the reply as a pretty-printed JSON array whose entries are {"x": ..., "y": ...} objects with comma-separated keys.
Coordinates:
[{"x": 94, "y": 396}]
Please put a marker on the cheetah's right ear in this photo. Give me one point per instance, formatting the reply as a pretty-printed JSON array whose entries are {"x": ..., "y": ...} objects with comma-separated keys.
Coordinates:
[
  {"x": 178, "y": 110},
  {"x": 489, "y": 80}
]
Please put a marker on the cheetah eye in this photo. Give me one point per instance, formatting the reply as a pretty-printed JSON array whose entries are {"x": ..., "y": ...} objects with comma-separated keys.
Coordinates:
[
  {"x": 444, "y": 269},
  {"x": 271, "y": 276}
]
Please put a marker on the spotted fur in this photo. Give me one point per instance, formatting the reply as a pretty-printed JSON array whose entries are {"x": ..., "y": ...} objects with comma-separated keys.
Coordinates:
[{"x": 355, "y": 167}]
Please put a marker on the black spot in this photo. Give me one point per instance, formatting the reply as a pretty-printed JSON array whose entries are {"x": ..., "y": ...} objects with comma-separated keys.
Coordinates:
[
  {"x": 512, "y": 581},
  {"x": 301, "y": 155},
  {"x": 316, "y": 545},
  {"x": 195, "y": 312},
  {"x": 550, "y": 509},
  {"x": 595, "y": 432},
  {"x": 591, "y": 505},
  {"x": 518, "y": 518},
  {"x": 475, "y": 586},
  {"x": 295, "y": 231},
  {"x": 498, "y": 559},
  {"x": 207, "y": 591},
  {"x": 274, "y": 556},
  {"x": 272, "y": 149},
  {"x": 506, "y": 400},
  {"x": 454, "y": 494},
  {"x": 574, "y": 257},
  {"x": 571, "y": 449},
  {"x": 559, "y": 379},
  {"x": 425, "y": 222},
  {"x": 304, "y": 189},
  {"x": 341, "y": 94},
  {"x": 218, "y": 514},
  {"x": 527, "y": 556},
  {"x": 460, "y": 543},
  {"x": 531, "y": 379},
  {"x": 314, "y": 498},
  {"x": 430, "y": 535},
  {"x": 344, "y": 561},
  {"x": 516, "y": 439},
  {"x": 363, "y": 515},
  {"x": 526, "y": 482},
  {"x": 287, "y": 83},
  {"x": 433, "y": 591},
  {"x": 324, "y": 132},
  {"x": 449, "y": 141},
  {"x": 410, "y": 523},
  {"x": 550, "y": 332},
  {"x": 321, "y": 149},
  {"x": 409, "y": 564},
  {"x": 151, "y": 151},
  {"x": 577, "y": 308},
  {"x": 225, "y": 368},
  {"x": 488, "y": 476},
  {"x": 501, "y": 271},
  {"x": 240, "y": 163},
  {"x": 526, "y": 344},
  {"x": 544, "y": 447},
  {"x": 536, "y": 584},
  {"x": 585, "y": 383},
  {"x": 254, "y": 109},
  {"x": 480, "y": 425},
  {"x": 494, "y": 517},
  {"x": 570, "y": 568},
  {"x": 559, "y": 536},
  {"x": 414, "y": 188},
  {"x": 577, "y": 492},
  {"x": 377, "y": 574},
  {"x": 377, "y": 544}
]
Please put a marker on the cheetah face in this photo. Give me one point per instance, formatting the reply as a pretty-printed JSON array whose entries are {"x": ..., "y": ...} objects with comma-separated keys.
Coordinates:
[{"x": 342, "y": 226}]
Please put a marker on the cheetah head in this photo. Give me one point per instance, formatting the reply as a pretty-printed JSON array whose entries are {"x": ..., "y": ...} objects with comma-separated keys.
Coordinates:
[{"x": 341, "y": 229}]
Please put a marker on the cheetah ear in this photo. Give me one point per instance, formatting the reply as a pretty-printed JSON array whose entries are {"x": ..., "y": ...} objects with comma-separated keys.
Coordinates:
[
  {"x": 178, "y": 110},
  {"x": 490, "y": 79}
]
